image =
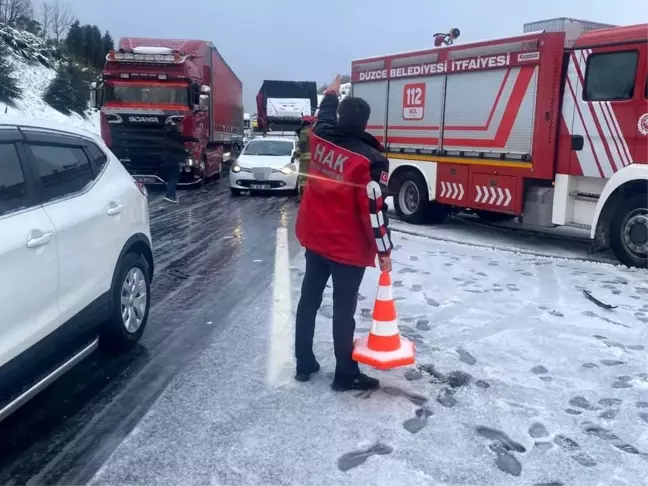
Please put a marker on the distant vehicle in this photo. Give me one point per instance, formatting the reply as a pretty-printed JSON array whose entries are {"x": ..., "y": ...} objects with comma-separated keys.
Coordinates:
[
  {"x": 76, "y": 261},
  {"x": 247, "y": 128},
  {"x": 148, "y": 82},
  {"x": 266, "y": 164},
  {"x": 281, "y": 104},
  {"x": 549, "y": 126}
]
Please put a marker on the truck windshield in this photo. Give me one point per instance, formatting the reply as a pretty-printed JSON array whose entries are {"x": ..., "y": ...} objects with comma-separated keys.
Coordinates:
[
  {"x": 155, "y": 94},
  {"x": 269, "y": 147}
]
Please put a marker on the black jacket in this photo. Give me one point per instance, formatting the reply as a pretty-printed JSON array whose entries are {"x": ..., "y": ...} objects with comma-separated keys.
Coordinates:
[{"x": 173, "y": 144}]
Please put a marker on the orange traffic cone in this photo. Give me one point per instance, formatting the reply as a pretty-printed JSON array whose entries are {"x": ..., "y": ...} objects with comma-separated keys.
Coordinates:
[{"x": 384, "y": 348}]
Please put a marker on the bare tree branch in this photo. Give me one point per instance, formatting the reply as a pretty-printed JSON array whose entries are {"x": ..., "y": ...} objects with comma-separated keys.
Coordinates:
[
  {"x": 12, "y": 10},
  {"x": 61, "y": 18},
  {"x": 45, "y": 18}
]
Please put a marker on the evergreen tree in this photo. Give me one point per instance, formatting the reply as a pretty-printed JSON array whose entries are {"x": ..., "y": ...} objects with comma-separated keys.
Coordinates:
[
  {"x": 69, "y": 91},
  {"x": 74, "y": 40},
  {"x": 86, "y": 44},
  {"x": 108, "y": 43},
  {"x": 9, "y": 89},
  {"x": 60, "y": 94},
  {"x": 98, "y": 54}
]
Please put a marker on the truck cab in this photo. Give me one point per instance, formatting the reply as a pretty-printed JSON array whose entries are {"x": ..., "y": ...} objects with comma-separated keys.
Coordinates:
[{"x": 148, "y": 83}]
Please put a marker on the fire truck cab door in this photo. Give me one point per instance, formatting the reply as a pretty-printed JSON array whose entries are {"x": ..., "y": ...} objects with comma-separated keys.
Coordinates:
[{"x": 605, "y": 86}]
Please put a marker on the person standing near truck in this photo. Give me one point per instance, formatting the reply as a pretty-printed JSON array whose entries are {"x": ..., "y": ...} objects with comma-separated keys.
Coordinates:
[
  {"x": 303, "y": 152},
  {"x": 174, "y": 155},
  {"x": 342, "y": 223}
]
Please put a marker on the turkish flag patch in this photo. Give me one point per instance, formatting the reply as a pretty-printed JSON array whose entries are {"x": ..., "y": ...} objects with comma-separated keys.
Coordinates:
[{"x": 384, "y": 177}]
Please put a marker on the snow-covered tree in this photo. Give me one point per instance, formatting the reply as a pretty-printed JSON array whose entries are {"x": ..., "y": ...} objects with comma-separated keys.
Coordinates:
[
  {"x": 9, "y": 89},
  {"x": 68, "y": 92}
]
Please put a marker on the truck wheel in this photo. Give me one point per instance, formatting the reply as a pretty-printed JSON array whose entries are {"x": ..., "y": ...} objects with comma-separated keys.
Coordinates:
[
  {"x": 629, "y": 232},
  {"x": 411, "y": 198},
  {"x": 493, "y": 217},
  {"x": 131, "y": 300}
]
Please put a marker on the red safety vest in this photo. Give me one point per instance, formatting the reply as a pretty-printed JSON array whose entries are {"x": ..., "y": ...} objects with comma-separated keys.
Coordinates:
[{"x": 334, "y": 214}]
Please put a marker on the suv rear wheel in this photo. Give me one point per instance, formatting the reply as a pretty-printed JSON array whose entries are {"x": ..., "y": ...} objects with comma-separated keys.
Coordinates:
[{"x": 131, "y": 300}]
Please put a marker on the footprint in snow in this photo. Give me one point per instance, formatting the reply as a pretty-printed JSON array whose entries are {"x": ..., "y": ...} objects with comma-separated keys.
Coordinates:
[
  {"x": 503, "y": 446},
  {"x": 622, "y": 382},
  {"x": 354, "y": 459},
  {"x": 612, "y": 362},
  {"x": 413, "y": 375},
  {"x": 407, "y": 270},
  {"x": 595, "y": 430},
  {"x": 423, "y": 325},
  {"x": 466, "y": 357},
  {"x": 582, "y": 402},
  {"x": 419, "y": 421},
  {"x": 571, "y": 446},
  {"x": 326, "y": 311}
]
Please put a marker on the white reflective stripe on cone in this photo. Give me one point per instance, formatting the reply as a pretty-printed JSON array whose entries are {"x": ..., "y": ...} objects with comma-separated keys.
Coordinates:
[
  {"x": 385, "y": 293},
  {"x": 384, "y": 328}
]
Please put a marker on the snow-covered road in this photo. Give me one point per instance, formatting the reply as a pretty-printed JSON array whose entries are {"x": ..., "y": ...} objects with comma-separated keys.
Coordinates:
[{"x": 519, "y": 380}]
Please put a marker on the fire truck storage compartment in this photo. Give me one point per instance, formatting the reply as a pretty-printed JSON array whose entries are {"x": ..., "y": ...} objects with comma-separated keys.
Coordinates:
[
  {"x": 452, "y": 184},
  {"x": 494, "y": 192},
  {"x": 474, "y": 101}
]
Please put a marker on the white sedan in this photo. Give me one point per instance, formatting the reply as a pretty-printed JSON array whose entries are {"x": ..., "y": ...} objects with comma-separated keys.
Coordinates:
[{"x": 266, "y": 164}]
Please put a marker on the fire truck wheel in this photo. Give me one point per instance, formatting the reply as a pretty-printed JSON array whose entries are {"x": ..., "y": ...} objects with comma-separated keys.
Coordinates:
[
  {"x": 629, "y": 232},
  {"x": 411, "y": 198}
]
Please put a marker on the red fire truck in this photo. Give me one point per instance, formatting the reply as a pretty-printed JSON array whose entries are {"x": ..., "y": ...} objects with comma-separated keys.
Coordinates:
[
  {"x": 550, "y": 126},
  {"x": 147, "y": 82}
]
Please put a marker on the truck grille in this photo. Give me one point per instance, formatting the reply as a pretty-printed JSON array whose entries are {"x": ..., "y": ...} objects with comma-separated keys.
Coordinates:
[{"x": 139, "y": 147}]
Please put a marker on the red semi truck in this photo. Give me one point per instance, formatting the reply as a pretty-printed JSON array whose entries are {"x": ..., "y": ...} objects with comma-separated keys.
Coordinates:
[
  {"x": 146, "y": 82},
  {"x": 550, "y": 126}
]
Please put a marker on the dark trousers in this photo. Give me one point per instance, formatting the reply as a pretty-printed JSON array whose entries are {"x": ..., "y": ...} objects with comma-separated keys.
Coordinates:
[
  {"x": 346, "y": 284},
  {"x": 173, "y": 176}
]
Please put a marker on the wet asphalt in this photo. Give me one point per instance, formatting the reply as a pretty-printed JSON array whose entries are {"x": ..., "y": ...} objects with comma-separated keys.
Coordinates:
[{"x": 214, "y": 255}]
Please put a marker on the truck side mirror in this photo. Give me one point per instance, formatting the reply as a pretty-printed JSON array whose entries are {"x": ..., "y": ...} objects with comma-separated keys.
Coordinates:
[
  {"x": 96, "y": 95},
  {"x": 203, "y": 102}
]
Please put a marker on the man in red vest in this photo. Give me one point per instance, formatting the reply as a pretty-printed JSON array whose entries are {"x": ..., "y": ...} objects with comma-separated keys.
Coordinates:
[{"x": 342, "y": 223}]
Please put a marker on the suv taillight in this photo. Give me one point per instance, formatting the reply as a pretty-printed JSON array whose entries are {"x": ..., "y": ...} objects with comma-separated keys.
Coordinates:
[{"x": 142, "y": 189}]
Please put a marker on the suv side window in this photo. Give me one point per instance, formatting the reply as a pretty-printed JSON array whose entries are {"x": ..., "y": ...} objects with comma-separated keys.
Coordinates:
[
  {"x": 98, "y": 156},
  {"x": 13, "y": 189},
  {"x": 62, "y": 170},
  {"x": 610, "y": 76}
]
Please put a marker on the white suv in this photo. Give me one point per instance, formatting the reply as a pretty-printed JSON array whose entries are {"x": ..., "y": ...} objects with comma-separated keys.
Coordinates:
[{"x": 75, "y": 254}]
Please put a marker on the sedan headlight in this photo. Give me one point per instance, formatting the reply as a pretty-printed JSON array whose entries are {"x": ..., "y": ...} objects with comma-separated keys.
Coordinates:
[
  {"x": 235, "y": 168},
  {"x": 289, "y": 169}
]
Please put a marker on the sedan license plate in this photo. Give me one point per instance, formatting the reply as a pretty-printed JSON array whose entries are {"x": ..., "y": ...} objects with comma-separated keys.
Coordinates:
[
  {"x": 260, "y": 187},
  {"x": 146, "y": 180}
]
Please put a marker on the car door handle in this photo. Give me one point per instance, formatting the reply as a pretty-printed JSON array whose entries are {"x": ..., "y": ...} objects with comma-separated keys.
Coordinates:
[
  {"x": 44, "y": 239},
  {"x": 115, "y": 210}
]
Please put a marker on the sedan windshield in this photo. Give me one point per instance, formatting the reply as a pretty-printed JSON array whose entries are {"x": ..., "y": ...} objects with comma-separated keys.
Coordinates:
[{"x": 269, "y": 147}]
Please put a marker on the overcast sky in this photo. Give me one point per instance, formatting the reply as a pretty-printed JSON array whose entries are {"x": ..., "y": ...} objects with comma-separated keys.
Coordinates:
[{"x": 311, "y": 40}]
